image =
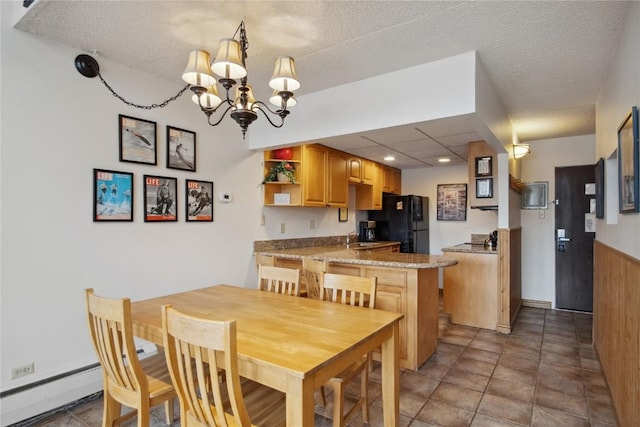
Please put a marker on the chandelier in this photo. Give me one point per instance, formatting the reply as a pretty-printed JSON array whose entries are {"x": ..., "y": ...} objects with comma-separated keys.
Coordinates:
[{"x": 228, "y": 67}]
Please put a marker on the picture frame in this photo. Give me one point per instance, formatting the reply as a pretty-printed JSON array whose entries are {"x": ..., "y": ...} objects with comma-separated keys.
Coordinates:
[
  {"x": 160, "y": 198},
  {"x": 535, "y": 195},
  {"x": 137, "y": 140},
  {"x": 451, "y": 202},
  {"x": 181, "y": 149},
  {"x": 198, "y": 200},
  {"x": 343, "y": 214},
  {"x": 112, "y": 195},
  {"x": 483, "y": 166},
  {"x": 599, "y": 174},
  {"x": 484, "y": 188},
  {"x": 628, "y": 159}
]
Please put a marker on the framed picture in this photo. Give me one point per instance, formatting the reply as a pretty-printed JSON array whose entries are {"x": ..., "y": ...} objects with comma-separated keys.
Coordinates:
[
  {"x": 600, "y": 188},
  {"x": 112, "y": 195},
  {"x": 484, "y": 188},
  {"x": 160, "y": 197},
  {"x": 137, "y": 140},
  {"x": 199, "y": 202},
  {"x": 628, "y": 182},
  {"x": 343, "y": 214},
  {"x": 181, "y": 149},
  {"x": 534, "y": 195},
  {"x": 452, "y": 202},
  {"x": 483, "y": 166}
]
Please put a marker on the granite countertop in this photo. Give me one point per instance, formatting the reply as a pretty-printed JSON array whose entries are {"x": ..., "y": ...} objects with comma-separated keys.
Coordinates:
[
  {"x": 472, "y": 249},
  {"x": 344, "y": 255}
]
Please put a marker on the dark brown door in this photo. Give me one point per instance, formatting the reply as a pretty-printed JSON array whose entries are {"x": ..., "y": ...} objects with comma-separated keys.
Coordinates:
[{"x": 574, "y": 250}]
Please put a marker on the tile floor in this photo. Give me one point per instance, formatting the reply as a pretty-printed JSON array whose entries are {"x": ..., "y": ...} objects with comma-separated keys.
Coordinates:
[{"x": 545, "y": 373}]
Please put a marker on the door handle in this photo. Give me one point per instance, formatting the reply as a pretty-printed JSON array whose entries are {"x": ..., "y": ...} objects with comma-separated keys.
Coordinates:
[{"x": 563, "y": 239}]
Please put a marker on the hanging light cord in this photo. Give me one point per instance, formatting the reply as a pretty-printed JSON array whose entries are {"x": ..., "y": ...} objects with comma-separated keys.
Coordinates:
[{"x": 145, "y": 107}]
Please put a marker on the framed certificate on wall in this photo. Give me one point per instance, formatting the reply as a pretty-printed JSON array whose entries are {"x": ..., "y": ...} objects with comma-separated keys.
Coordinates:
[{"x": 484, "y": 188}]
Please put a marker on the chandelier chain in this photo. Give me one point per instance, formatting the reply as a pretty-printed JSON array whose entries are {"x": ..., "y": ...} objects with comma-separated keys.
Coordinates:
[{"x": 144, "y": 107}]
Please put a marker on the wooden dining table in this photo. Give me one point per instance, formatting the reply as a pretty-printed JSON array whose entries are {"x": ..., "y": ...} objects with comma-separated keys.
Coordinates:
[{"x": 291, "y": 344}]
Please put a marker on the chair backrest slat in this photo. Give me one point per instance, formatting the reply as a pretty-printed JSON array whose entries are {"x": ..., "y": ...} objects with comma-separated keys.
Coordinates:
[
  {"x": 351, "y": 290},
  {"x": 193, "y": 347},
  {"x": 280, "y": 280},
  {"x": 112, "y": 336},
  {"x": 314, "y": 274}
]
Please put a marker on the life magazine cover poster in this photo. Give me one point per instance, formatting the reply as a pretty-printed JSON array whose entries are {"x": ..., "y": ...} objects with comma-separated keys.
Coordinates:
[
  {"x": 113, "y": 195},
  {"x": 181, "y": 152},
  {"x": 160, "y": 198},
  {"x": 199, "y": 202}
]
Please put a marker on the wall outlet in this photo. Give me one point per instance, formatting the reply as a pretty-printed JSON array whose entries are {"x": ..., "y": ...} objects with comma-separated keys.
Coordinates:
[
  {"x": 312, "y": 224},
  {"x": 21, "y": 371},
  {"x": 282, "y": 228}
]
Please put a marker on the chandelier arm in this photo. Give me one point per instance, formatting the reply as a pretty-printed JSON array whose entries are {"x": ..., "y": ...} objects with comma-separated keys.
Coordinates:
[
  {"x": 144, "y": 107},
  {"x": 208, "y": 113},
  {"x": 281, "y": 115}
]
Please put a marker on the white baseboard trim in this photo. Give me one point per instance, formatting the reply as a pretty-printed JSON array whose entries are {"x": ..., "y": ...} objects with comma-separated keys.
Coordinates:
[
  {"x": 536, "y": 304},
  {"x": 46, "y": 397}
]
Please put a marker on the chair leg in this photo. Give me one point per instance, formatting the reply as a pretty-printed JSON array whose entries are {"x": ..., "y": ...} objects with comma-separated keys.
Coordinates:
[
  {"x": 338, "y": 403},
  {"x": 143, "y": 414},
  {"x": 111, "y": 410},
  {"x": 364, "y": 382},
  {"x": 322, "y": 396},
  {"x": 168, "y": 411}
]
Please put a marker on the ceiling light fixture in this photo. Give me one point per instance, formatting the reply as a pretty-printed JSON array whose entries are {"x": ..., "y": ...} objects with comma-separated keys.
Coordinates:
[
  {"x": 389, "y": 158},
  {"x": 444, "y": 160},
  {"x": 520, "y": 150},
  {"x": 229, "y": 66}
]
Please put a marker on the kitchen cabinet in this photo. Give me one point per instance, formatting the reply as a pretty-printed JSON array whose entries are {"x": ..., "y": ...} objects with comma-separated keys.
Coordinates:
[
  {"x": 324, "y": 177},
  {"x": 479, "y": 153},
  {"x": 274, "y": 190},
  {"x": 391, "y": 180},
  {"x": 369, "y": 197},
  {"x": 471, "y": 289}
]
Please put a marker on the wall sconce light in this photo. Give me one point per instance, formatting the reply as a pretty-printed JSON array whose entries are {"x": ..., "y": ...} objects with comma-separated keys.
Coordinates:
[{"x": 520, "y": 150}]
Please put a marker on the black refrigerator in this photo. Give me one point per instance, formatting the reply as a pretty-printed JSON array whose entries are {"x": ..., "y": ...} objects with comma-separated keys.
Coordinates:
[{"x": 404, "y": 219}]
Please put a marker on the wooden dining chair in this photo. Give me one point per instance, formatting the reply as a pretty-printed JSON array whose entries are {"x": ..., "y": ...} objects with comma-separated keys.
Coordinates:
[
  {"x": 313, "y": 273},
  {"x": 138, "y": 384},
  {"x": 191, "y": 345},
  {"x": 285, "y": 281},
  {"x": 360, "y": 292}
]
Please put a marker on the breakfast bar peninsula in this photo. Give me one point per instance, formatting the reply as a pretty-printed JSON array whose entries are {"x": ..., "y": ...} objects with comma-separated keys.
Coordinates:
[{"x": 407, "y": 284}]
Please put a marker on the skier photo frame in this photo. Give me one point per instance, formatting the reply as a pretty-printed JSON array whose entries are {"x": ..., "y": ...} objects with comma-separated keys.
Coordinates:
[
  {"x": 198, "y": 200},
  {"x": 160, "y": 198},
  {"x": 112, "y": 195},
  {"x": 181, "y": 149},
  {"x": 137, "y": 140}
]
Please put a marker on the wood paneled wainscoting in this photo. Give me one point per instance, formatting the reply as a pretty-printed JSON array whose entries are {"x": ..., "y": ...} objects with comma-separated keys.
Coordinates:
[
  {"x": 509, "y": 277},
  {"x": 616, "y": 327}
]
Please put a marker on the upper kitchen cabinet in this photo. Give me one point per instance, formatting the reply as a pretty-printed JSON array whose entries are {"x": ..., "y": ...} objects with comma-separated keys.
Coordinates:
[
  {"x": 483, "y": 174},
  {"x": 369, "y": 197},
  {"x": 362, "y": 171},
  {"x": 325, "y": 181},
  {"x": 391, "y": 180},
  {"x": 281, "y": 190}
]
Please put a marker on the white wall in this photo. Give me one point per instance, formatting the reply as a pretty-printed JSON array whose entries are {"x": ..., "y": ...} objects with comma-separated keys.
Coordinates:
[
  {"x": 538, "y": 241},
  {"x": 424, "y": 182},
  {"x": 620, "y": 92},
  {"x": 56, "y": 126}
]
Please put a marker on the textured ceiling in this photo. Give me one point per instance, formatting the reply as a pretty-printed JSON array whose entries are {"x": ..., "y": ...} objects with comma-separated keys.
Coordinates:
[{"x": 546, "y": 60}]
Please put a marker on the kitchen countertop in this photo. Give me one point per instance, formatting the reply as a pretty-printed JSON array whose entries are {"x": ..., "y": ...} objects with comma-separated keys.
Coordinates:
[
  {"x": 342, "y": 254},
  {"x": 472, "y": 249}
]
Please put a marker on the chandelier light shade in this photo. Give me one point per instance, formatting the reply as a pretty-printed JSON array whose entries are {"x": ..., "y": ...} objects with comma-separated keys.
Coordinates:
[
  {"x": 227, "y": 69},
  {"x": 229, "y": 63},
  {"x": 198, "y": 71},
  {"x": 520, "y": 150},
  {"x": 284, "y": 75}
]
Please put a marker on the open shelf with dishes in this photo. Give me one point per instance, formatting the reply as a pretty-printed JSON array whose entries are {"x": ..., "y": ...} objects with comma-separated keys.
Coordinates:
[{"x": 284, "y": 190}]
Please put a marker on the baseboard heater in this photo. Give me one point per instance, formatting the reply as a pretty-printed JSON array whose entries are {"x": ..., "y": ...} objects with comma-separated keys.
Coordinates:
[{"x": 49, "y": 395}]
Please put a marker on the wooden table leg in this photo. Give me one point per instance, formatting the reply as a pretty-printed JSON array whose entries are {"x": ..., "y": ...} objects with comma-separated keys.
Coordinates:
[
  {"x": 300, "y": 402},
  {"x": 391, "y": 379}
]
